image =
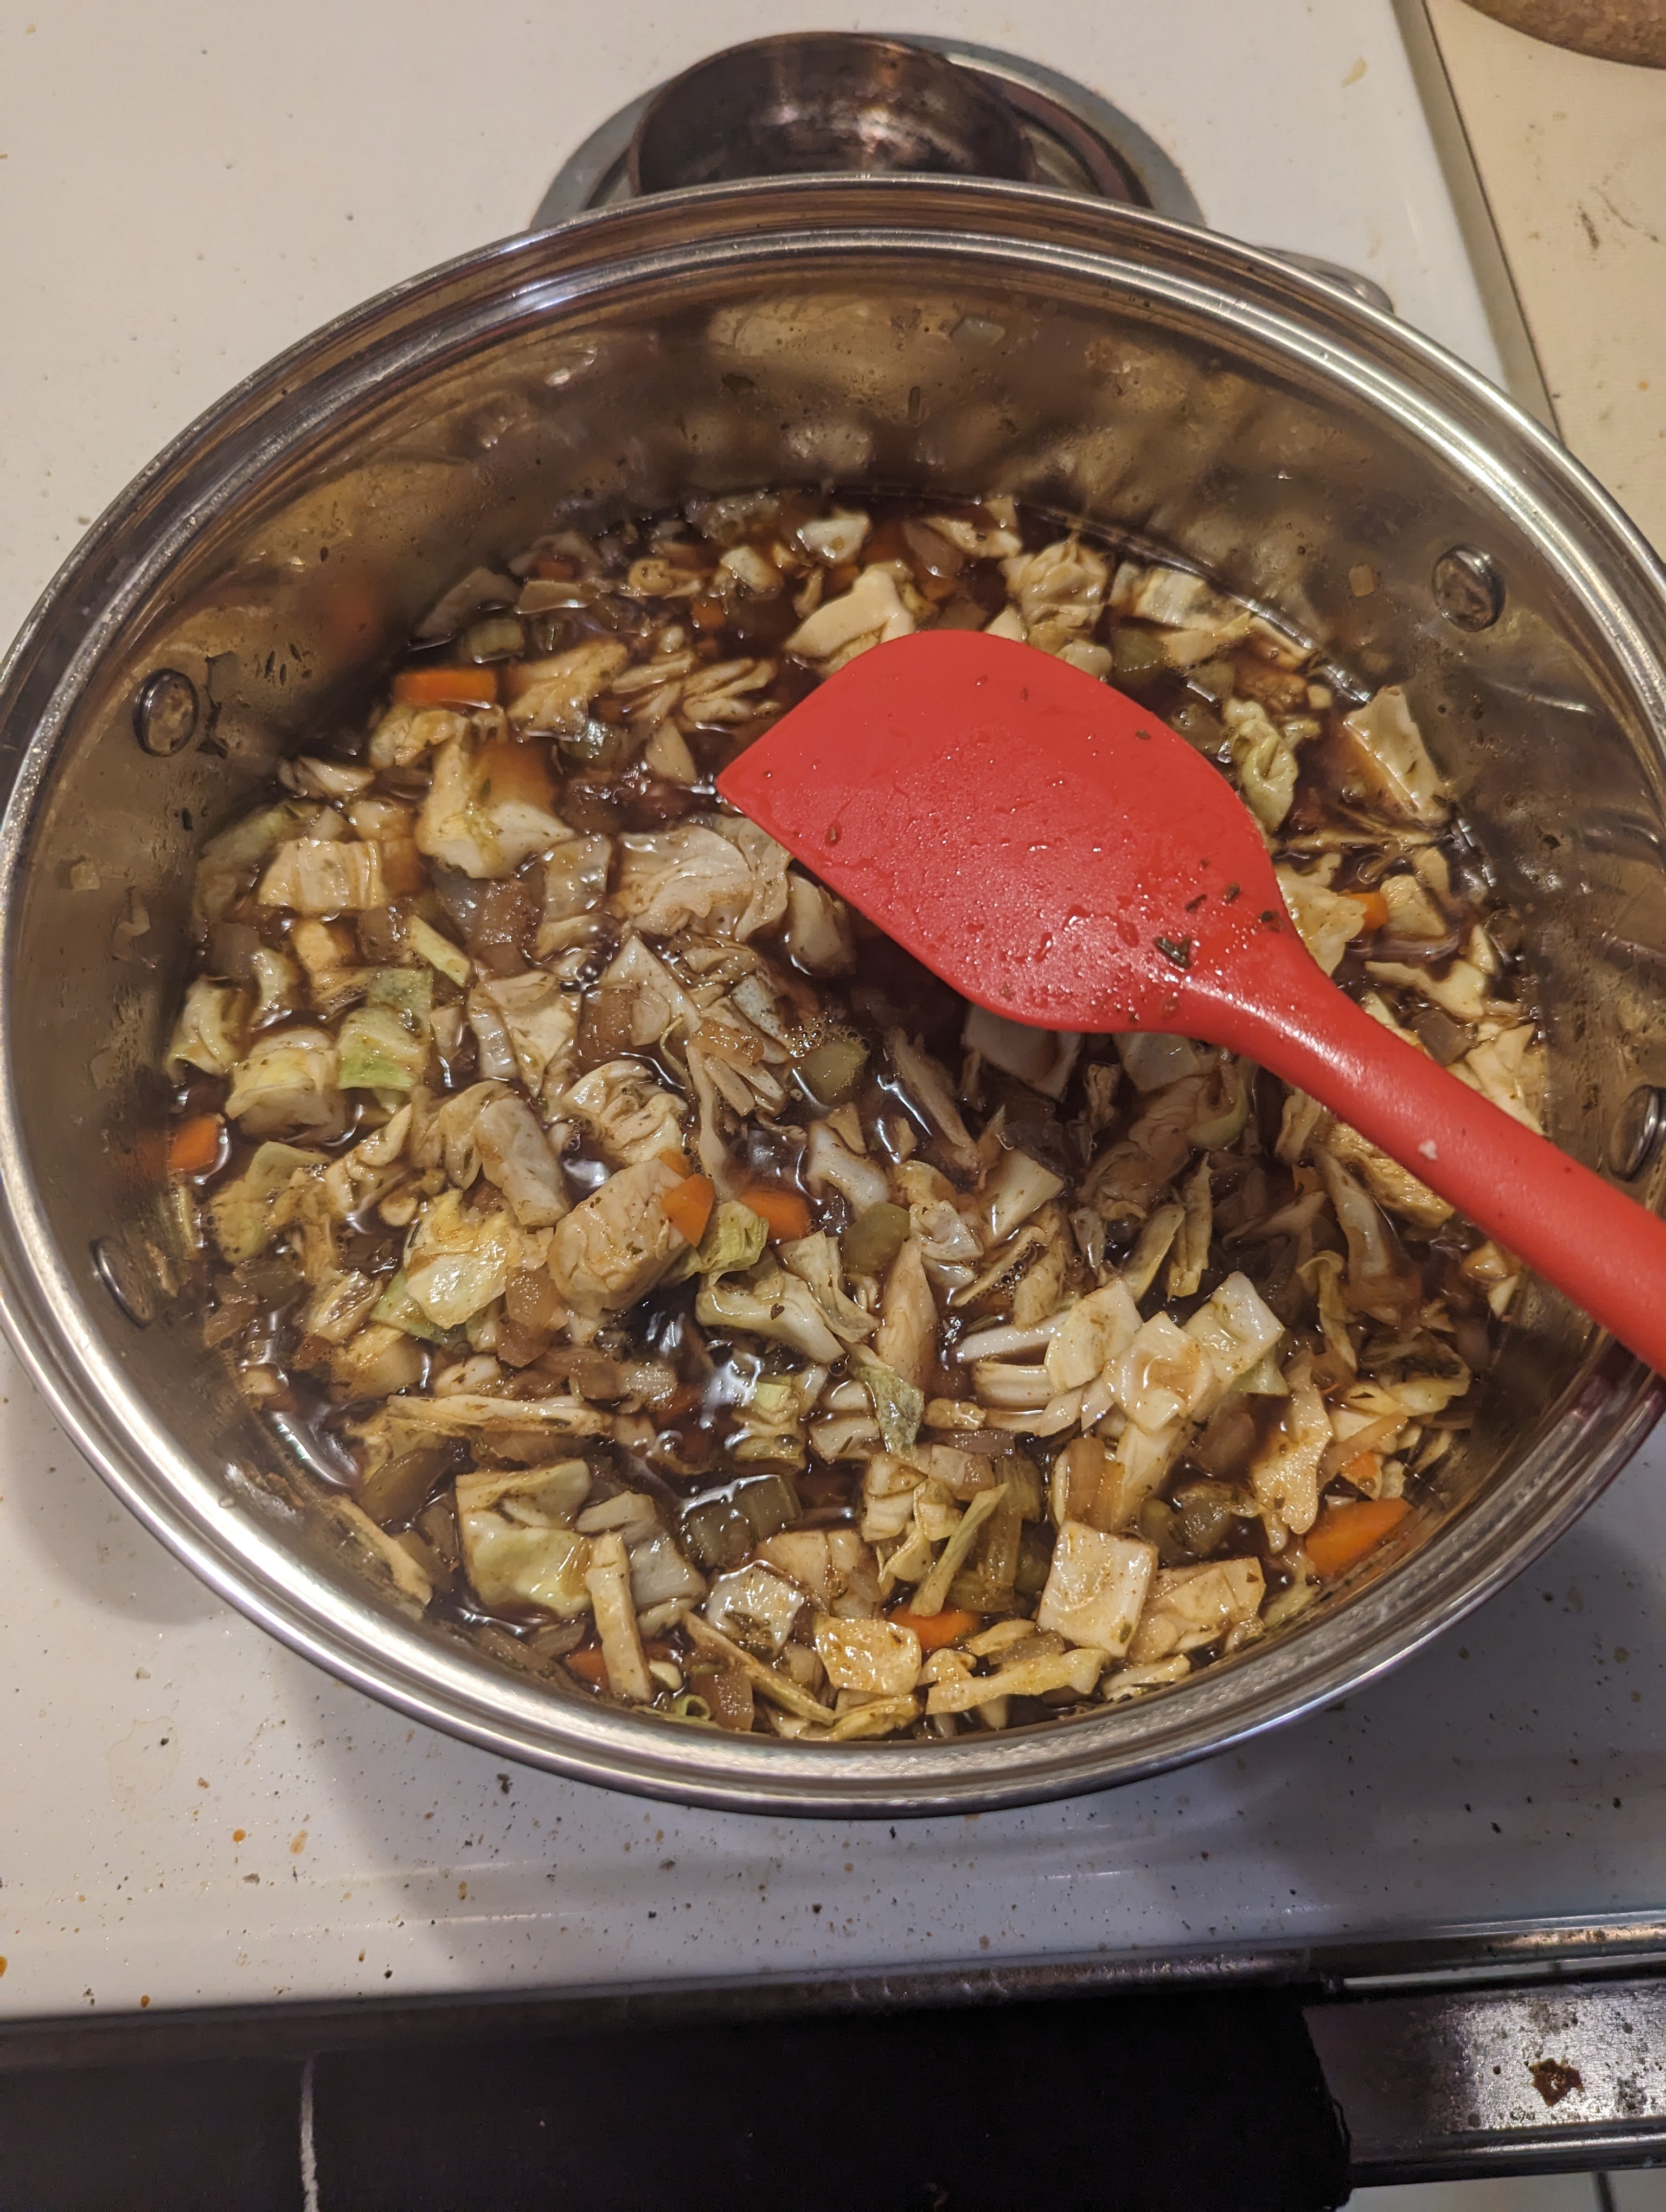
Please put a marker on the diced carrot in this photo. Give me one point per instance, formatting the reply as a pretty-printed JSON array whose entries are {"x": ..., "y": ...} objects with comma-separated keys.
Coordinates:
[
  {"x": 707, "y": 614},
  {"x": 1344, "y": 1534},
  {"x": 1362, "y": 1470},
  {"x": 193, "y": 1147},
  {"x": 689, "y": 1207},
  {"x": 553, "y": 570},
  {"x": 678, "y": 1162},
  {"x": 445, "y": 687},
  {"x": 784, "y": 1211},
  {"x": 511, "y": 767},
  {"x": 1377, "y": 910},
  {"x": 588, "y": 1664},
  {"x": 936, "y": 1629}
]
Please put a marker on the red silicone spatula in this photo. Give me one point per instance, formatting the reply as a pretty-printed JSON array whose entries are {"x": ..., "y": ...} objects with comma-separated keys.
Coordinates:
[{"x": 1053, "y": 851}]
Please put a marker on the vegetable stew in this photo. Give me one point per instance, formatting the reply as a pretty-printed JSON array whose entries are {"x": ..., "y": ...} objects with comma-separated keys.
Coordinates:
[{"x": 677, "y": 1287}]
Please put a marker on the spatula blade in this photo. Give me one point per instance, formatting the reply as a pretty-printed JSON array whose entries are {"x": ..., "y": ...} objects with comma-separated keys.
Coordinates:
[{"x": 1040, "y": 841}]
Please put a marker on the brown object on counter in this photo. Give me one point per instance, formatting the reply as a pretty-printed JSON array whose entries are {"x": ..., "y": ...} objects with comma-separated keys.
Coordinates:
[{"x": 1613, "y": 30}]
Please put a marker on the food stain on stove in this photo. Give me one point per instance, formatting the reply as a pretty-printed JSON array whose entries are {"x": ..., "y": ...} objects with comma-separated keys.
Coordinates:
[{"x": 1555, "y": 2079}]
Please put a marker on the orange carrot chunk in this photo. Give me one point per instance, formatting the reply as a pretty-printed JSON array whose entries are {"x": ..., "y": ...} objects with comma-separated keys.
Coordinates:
[
  {"x": 1344, "y": 1534},
  {"x": 589, "y": 1666},
  {"x": 445, "y": 687},
  {"x": 936, "y": 1629},
  {"x": 784, "y": 1212},
  {"x": 689, "y": 1207},
  {"x": 1377, "y": 910},
  {"x": 193, "y": 1147}
]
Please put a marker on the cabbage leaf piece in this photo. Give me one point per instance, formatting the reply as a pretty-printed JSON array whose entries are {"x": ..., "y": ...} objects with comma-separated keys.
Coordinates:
[
  {"x": 385, "y": 1043},
  {"x": 615, "y": 1244},
  {"x": 633, "y": 1117},
  {"x": 898, "y": 1406},
  {"x": 289, "y": 1084},
  {"x": 209, "y": 1035},
  {"x": 1097, "y": 1588},
  {"x": 769, "y": 1302},
  {"x": 877, "y": 1657},
  {"x": 397, "y": 1309},
  {"x": 1190, "y": 1606},
  {"x": 241, "y": 1212},
  {"x": 459, "y": 1259},
  {"x": 734, "y": 1240},
  {"x": 519, "y": 1544}
]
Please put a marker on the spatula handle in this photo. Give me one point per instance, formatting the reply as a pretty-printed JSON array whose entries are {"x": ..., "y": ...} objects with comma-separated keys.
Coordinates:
[{"x": 1599, "y": 1247}]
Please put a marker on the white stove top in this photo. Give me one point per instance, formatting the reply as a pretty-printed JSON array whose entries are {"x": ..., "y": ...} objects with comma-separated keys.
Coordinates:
[{"x": 189, "y": 1814}]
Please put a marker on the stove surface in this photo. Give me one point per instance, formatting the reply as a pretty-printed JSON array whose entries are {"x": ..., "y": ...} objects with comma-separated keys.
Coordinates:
[{"x": 193, "y": 1816}]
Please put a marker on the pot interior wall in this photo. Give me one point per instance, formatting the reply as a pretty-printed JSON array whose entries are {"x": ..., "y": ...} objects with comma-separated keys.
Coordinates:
[{"x": 1100, "y": 393}]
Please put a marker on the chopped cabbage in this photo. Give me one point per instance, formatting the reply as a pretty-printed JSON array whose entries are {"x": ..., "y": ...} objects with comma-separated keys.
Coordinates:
[
  {"x": 556, "y": 694},
  {"x": 241, "y": 1213},
  {"x": 773, "y": 1304},
  {"x": 1190, "y": 1606},
  {"x": 210, "y": 1031},
  {"x": 754, "y": 1605},
  {"x": 1044, "y": 1059},
  {"x": 1285, "y": 1474},
  {"x": 289, "y": 1085},
  {"x": 1096, "y": 1587},
  {"x": 632, "y": 1116},
  {"x": 1093, "y": 1334},
  {"x": 516, "y": 1155},
  {"x": 459, "y": 1259},
  {"x": 871, "y": 612},
  {"x": 615, "y": 1244},
  {"x": 524, "y": 1026},
  {"x": 485, "y": 812},
  {"x": 734, "y": 1240},
  {"x": 673, "y": 878},
  {"x": 1265, "y": 759},
  {"x": 876, "y": 1657},
  {"x": 1390, "y": 747},
  {"x": 1326, "y": 921},
  {"x": 316, "y": 875}
]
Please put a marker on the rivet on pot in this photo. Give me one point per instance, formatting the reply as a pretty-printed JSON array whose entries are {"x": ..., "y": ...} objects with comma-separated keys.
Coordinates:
[
  {"x": 1636, "y": 1135},
  {"x": 1467, "y": 588},
  {"x": 165, "y": 711},
  {"x": 126, "y": 1281}
]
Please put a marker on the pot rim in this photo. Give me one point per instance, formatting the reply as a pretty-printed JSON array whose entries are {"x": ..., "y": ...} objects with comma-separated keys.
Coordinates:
[{"x": 1601, "y": 1417}]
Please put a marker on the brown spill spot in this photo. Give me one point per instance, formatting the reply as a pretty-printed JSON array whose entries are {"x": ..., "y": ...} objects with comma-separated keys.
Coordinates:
[
  {"x": 1555, "y": 2079},
  {"x": 462, "y": 1889},
  {"x": 297, "y": 1844},
  {"x": 144, "y": 2001},
  {"x": 238, "y": 1834},
  {"x": 3, "y": 1965}
]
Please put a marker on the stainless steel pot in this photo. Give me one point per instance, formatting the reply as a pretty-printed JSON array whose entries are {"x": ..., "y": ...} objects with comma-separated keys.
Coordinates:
[{"x": 955, "y": 337}]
